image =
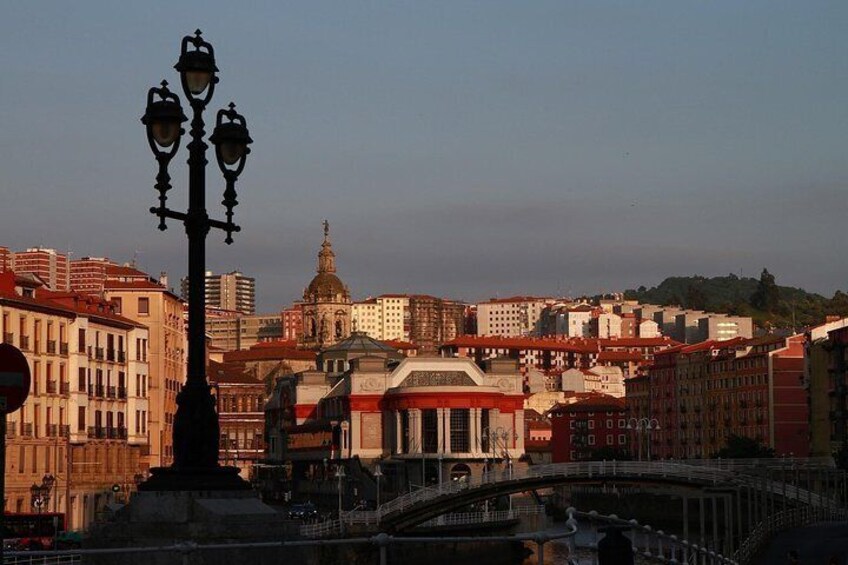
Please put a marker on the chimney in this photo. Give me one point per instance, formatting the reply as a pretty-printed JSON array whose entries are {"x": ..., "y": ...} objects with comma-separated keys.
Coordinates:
[{"x": 163, "y": 279}]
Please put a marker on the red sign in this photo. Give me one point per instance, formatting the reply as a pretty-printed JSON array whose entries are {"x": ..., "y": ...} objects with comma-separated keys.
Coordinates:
[{"x": 14, "y": 378}]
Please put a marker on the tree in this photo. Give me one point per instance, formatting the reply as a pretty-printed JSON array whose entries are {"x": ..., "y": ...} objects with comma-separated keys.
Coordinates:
[
  {"x": 696, "y": 299},
  {"x": 741, "y": 447},
  {"x": 767, "y": 296}
]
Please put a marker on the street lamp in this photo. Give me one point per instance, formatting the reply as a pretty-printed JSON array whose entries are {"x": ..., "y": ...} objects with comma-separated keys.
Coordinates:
[
  {"x": 378, "y": 473},
  {"x": 340, "y": 475},
  {"x": 196, "y": 426},
  {"x": 643, "y": 425}
]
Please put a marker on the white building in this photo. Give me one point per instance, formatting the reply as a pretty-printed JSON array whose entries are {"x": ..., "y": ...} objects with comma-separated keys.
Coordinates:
[
  {"x": 576, "y": 322},
  {"x": 386, "y": 317},
  {"x": 510, "y": 317}
]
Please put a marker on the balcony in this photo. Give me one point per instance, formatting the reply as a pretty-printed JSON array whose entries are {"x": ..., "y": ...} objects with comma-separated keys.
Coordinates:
[
  {"x": 122, "y": 433},
  {"x": 25, "y": 342},
  {"x": 51, "y": 346},
  {"x": 99, "y": 391},
  {"x": 110, "y": 354},
  {"x": 122, "y": 392},
  {"x": 52, "y": 430},
  {"x": 64, "y": 430},
  {"x": 110, "y": 392},
  {"x": 122, "y": 356},
  {"x": 51, "y": 387},
  {"x": 96, "y": 432},
  {"x": 10, "y": 431},
  {"x": 111, "y": 433},
  {"x": 63, "y": 348},
  {"x": 9, "y": 338},
  {"x": 98, "y": 353},
  {"x": 65, "y": 387},
  {"x": 26, "y": 430}
]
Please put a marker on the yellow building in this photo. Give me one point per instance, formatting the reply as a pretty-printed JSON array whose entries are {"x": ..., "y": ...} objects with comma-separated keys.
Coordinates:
[
  {"x": 83, "y": 427},
  {"x": 143, "y": 299}
]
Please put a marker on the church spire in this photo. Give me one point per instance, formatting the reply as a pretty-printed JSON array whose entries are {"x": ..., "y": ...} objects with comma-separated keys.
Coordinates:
[{"x": 326, "y": 257}]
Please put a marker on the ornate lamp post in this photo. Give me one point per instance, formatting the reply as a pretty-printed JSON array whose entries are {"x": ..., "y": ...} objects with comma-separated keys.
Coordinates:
[
  {"x": 378, "y": 473},
  {"x": 643, "y": 425},
  {"x": 196, "y": 428},
  {"x": 340, "y": 475}
]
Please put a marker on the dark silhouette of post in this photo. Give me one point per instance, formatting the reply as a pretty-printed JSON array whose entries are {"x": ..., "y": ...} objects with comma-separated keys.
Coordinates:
[
  {"x": 196, "y": 427},
  {"x": 615, "y": 548}
]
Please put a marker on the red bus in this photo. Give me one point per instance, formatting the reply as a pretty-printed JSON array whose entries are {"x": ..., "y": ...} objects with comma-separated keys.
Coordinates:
[{"x": 32, "y": 531}]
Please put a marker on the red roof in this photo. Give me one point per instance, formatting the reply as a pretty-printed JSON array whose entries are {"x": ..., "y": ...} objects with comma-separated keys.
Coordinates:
[
  {"x": 397, "y": 344},
  {"x": 270, "y": 354},
  {"x": 599, "y": 403},
  {"x": 638, "y": 342},
  {"x": 516, "y": 299},
  {"x": 90, "y": 305},
  {"x": 544, "y": 344},
  {"x": 618, "y": 356},
  {"x": 125, "y": 271}
]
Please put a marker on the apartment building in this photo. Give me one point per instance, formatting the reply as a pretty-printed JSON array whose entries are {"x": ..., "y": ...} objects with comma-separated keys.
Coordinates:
[
  {"x": 230, "y": 291},
  {"x": 705, "y": 392},
  {"x": 85, "y": 420},
  {"x": 516, "y": 316},
  {"x": 231, "y": 330},
  {"x": 138, "y": 297},
  {"x": 386, "y": 317},
  {"x": 88, "y": 275},
  {"x": 48, "y": 264}
]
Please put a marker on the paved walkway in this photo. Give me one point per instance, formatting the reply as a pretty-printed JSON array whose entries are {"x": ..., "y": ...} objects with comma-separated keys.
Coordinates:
[{"x": 815, "y": 545}]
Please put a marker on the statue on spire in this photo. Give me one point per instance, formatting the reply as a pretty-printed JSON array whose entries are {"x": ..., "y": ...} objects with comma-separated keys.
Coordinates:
[{"x": 326, "y": 257}]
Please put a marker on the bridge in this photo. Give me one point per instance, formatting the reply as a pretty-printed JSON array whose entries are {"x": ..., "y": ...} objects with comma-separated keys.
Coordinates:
[{"x": 745, "y": 494}]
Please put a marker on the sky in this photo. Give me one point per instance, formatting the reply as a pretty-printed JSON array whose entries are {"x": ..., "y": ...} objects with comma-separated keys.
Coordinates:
[{"x": 457, "y": 148}]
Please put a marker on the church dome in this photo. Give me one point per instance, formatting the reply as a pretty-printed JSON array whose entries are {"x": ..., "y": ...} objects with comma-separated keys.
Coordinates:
[{"x": 326, "y": 285}]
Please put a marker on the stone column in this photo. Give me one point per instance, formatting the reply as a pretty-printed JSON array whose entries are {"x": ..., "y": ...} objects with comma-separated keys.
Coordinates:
[
  {"x": 473, "y": 431},
  {"x": 415, "y": 435},
  {"x": 398, "y": 432}
]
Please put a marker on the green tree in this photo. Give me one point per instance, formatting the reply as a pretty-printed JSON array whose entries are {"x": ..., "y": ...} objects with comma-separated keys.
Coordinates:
[
  {"x": 741, "y": 447},
  {"x": 696, "y": 299},
  {"x": 767, "y": 295}
]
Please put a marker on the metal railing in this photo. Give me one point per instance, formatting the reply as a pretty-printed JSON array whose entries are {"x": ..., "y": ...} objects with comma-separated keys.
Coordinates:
[
  {"x": 666, "y": 470},
  {"x": 781, "y": 521},
  {"x": 650, "y": 545}
]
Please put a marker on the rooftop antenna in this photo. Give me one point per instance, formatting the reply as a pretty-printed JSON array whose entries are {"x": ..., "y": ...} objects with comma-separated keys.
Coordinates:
[{"x": 134, "y": 263}]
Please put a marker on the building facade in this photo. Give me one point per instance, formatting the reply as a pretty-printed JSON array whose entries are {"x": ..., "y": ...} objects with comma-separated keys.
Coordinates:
[
  {"x": 581, "y": 430},
  {"x": 48, "y": 264},
  {"x": 85, "y": 421},
  {"x": 229, "y": 291},
  {"x": 144, "y": 300},
  {"x": 510, "y": 317}
]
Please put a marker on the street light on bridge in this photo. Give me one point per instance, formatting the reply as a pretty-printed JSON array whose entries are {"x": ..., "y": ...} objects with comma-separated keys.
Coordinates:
[
  {"x": 196, "y": 426},
  {"x": 643, "y": 425}
]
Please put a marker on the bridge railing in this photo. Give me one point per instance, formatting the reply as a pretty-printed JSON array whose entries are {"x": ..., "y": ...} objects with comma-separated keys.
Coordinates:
[
  {"x": 465, "y": 518},
  {"x": 702, "y": 474},
  {"x": 652, "y": 545},
  {"x": 765, "y": 462},
  {"x": 781, "y": 521}
]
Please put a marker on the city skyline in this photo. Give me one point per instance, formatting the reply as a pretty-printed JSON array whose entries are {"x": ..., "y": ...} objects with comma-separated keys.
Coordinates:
[{"x": 461, "y": 150}]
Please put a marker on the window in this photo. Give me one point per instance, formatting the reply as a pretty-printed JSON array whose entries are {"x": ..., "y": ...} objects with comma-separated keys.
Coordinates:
[
  {"x": 591, "y": 424},
  {"x": 81, "y": 419},
  {"x": 610, "y": 439},
  {"x": 609, "y": 424},
  {"x": 430, "y": 430},
  {"x": 622, "y": 439},
  {"x": 143, "y": 306},
  {"x": 117, "y": 303},
  {"x": 459, "y": 426},
  {"x": 592, "y": 439}
]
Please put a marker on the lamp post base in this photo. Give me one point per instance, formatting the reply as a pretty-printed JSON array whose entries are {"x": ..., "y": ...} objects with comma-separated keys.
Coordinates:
[{"x": 194, "y": 479}]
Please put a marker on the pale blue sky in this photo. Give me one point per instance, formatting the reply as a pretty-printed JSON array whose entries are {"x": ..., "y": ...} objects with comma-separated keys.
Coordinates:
[{"x": 465, "y": 149}]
